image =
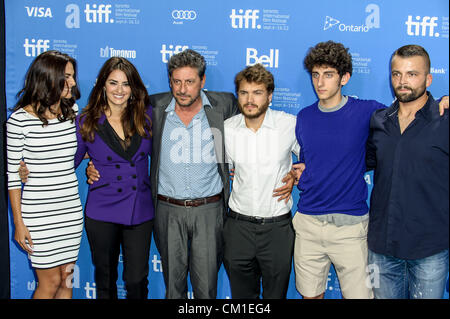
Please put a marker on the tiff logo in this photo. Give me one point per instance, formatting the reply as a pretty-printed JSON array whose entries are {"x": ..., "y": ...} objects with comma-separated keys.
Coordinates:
[
  {"x": 98, "y": 15},
  {"x": 420, "y": 26},
  {"x": 173, "y": 49},
  {"x": 245, "y": 20},
  {"x": 35, "y": 47}
]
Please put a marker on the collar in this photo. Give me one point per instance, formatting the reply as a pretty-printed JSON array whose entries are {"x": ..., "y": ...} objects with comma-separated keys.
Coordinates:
[
  {"x": 425, "y": 111},
  {"x": 205, "y": 102}
]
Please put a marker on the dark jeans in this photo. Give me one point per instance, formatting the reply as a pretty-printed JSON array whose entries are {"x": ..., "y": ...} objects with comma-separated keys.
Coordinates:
[{"x": 105, "y": 240}]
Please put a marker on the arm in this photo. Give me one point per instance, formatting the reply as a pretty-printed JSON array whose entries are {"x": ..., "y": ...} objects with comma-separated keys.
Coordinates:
[
  {"x": 81, "y": 145},
  {"x": 371, "y": 158},
  {"x": 21, "y": 234},
  {"x": 15, "y": 143}
]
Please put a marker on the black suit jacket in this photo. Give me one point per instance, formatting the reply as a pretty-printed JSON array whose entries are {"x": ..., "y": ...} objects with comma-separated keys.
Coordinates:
[{"x": 224, "y": 105}]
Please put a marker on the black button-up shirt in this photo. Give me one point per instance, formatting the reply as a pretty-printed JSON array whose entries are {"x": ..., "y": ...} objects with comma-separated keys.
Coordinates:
[{"x": 409, "y": 206}]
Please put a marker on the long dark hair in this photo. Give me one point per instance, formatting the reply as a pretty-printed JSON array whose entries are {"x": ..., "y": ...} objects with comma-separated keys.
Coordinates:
[
  {"x": 44, "y": 84},
  {"x": 134, "y": 118}
]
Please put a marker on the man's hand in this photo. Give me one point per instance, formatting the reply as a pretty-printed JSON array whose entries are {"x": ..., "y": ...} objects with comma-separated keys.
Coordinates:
[
  {"x": 297, "y": 170},
  {"x": 23, "y": 172},
  {"x": 443, "y": 105},
  {"x": 92, "y": 174},
  {"x": 284, "y": 192}
]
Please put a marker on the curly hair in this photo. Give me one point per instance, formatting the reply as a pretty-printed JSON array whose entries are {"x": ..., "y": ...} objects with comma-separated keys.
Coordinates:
[
  {"x": 330, "y": 54},
  {"x": 44, "y": 84},
  {"x": 255, "y": 74}
]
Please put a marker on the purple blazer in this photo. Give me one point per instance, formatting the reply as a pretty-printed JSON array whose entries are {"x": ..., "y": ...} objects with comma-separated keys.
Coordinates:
[{"x": 122, "y": 195}]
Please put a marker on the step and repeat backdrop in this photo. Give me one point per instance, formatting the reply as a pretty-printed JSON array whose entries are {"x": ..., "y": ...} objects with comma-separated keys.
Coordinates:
[{"x": 230, "y": 35}]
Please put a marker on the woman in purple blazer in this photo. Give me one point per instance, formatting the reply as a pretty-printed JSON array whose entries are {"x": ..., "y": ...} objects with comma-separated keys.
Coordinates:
[{"x": 115, "y": 130}]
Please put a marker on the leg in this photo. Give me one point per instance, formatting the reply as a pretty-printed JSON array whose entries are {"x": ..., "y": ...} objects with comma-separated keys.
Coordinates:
[
  {"x": 311, "y": 260},
  {"x": 240, "y": 260},
  {"x": 428, "y": 276},
  {"x": 206, "y": 231},
  {"x": 49, "y": 280},
  {"x": 390, "y": 277},
  {"x": 275, "y": 247},
  {"x": 104, "y": 240},
  {"x": 172, "y": 242},
  {"x": 65, "y": 288},
  {"x": 136, "y": 249},
  {"x": 348, "y": 252}
]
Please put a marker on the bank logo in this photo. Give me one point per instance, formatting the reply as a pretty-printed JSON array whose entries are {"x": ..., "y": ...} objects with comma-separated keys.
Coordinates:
[
  {"x": 268, "y": 61},
  {"x": 372, "y": 21},
  {"x": 330, "y": 22},
  {"x": 245, "y": 19},
  {"x": 39, "y": 12},
  {"x": 184, "y": 15},
  {"x": 422, "y": 26},
  {"x": 34, "y": 47},
  {"x": 168, "y": 50}
]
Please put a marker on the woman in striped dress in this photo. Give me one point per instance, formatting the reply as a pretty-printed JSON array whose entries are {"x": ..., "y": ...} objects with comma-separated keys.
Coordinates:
[{"x": 48, "y": 215}]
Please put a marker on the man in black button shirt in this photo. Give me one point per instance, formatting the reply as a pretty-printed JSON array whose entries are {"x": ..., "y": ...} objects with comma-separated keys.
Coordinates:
[{"x": 408, "y": 147}]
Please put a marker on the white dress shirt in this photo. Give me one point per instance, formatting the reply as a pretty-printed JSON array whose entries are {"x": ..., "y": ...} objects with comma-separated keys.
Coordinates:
[{"x": 261, "y": 159}]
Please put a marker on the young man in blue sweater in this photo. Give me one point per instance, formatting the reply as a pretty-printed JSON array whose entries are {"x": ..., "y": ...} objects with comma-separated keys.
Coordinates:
[{"x": 332, "y": 215}]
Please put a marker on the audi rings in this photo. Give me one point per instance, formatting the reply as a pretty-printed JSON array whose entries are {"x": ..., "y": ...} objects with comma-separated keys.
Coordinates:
[{"x": 184, "y": 14}]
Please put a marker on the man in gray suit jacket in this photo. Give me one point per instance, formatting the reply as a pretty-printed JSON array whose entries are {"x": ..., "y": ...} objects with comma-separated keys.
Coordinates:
[{"x": 189, "y": 177}]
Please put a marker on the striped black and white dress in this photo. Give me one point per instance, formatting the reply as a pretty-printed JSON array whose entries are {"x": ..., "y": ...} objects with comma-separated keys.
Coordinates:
[{"x": 51, "y": 207}]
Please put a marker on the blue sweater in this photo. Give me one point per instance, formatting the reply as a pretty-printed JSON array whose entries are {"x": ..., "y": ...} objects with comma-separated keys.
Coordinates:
[{"x": 333, "y": 148}]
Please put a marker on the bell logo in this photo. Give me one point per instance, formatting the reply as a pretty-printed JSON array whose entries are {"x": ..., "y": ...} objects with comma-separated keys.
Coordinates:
[
  {"x": 420, "y": 26},
  {"x": 268, "y": 61}
]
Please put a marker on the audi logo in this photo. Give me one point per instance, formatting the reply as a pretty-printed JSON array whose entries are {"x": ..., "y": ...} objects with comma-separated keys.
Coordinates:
[{"x": 184, "y": 14}]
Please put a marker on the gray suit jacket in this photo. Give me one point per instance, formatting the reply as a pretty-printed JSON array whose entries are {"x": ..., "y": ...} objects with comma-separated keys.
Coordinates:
[{"x": 224, "y": 105}]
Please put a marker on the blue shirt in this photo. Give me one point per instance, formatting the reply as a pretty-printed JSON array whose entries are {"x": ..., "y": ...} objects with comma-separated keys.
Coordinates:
[
  {"x": 333, "y": 147},
  {"x": 409, "y": 205},
  {"x": 188, "y": 166}
]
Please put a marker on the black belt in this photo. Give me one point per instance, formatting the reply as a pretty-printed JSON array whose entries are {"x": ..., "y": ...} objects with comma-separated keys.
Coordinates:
[
  {"x": 258, "y": 220},
  {"x": 191, "y": 202}
]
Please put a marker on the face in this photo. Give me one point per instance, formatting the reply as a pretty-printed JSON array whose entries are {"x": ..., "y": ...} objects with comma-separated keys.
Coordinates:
[
  {"x": 253, "y": 99},
  {"x": 409, "y": 78},
  {"x": 69, "y": 74},
  {"x": 186, "y": 86},
  {"x": 328, "y": 84},
  {"x": 117, "y": 89}
]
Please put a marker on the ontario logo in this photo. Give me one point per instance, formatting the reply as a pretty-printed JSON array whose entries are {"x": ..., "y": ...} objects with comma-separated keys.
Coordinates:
[{"x": 372, "y": 21}]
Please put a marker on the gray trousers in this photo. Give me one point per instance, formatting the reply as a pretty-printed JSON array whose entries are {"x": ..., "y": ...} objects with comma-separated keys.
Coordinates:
[{"x": 189, "y": 239}]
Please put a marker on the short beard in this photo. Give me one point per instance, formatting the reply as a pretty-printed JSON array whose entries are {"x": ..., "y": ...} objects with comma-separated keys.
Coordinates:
[
  {"x": 409, "y": 97},
  {"x": 261, "y": 110},
  {"x": 187, "y": 104}
]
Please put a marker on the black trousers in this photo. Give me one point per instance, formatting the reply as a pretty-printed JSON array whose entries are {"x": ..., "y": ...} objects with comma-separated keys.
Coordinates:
[
  {"x": 255, "y": 253},
  {"x": 105, "y": 240}
]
